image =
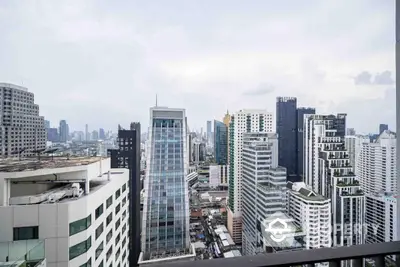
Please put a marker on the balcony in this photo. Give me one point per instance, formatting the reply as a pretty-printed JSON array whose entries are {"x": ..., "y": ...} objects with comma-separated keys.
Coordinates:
[
  {"x": 26, "y": 253},
  {"x": 334, "y": 256}
]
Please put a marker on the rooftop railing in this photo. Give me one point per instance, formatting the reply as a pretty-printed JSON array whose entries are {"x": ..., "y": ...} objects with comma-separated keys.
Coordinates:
[{"x": 373, "y": 252}]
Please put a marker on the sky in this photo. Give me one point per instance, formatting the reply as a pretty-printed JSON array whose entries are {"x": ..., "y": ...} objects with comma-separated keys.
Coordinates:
[{"x": 103, "y": 62}]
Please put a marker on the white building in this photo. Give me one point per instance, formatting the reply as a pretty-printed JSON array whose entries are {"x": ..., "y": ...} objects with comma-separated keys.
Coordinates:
[
  {"x": 353, "y": 144},
  {"x": 264, "y": 187},
  {"x": 377, "y": 173},
  {"x": 313, "y": 212},
  {"x": 241, "y": 122},
  {"x": 80, "y": 226},
  {"x": 218, "y": 175},
  {"x": 22, "y": 130},
  {"x": 328, "y": 172}
]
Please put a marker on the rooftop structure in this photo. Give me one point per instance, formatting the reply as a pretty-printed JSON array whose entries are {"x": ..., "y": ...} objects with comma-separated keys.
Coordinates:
[{"x": 80, "y": 211}]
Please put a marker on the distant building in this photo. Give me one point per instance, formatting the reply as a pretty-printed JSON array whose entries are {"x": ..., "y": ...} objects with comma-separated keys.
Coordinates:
[
  {"x": 102, "y": 134},
  {"x": 22, "y": 129},
  {"x": 220, "y": 143},
  {"x": 350, "y": 131},
  {"x": 47, "y": 124},
  {"x": 209, "y": 131},
  {"x": 95, "y": 135},
  {"x": 218, "y": 175},
  {"x": 63, "y": 131},
  {"x": 52, "y": 135},
  {"x": 383, "y": 127},
  {"x": 353, "y": 144}
]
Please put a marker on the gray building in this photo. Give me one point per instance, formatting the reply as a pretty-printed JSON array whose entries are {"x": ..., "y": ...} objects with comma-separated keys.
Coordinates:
[
  {"x": 286, "y": 125},
  {"x": 165, "y": 227},
  {"x": 63, "y": 131},
  {"x": 22, "y": 129},
  {"x": 264, "y": 187},
  {"x": 383, "y": 127}
]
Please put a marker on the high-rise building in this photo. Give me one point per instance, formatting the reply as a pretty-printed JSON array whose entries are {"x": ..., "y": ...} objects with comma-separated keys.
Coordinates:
[
  {"x": 95, "y": 135},
  {"x": 286, "y": 128},
  {"x": 300, "y": 142},
  {"x": 378, "y": 177},
  {"x": 47, "y": 124},
  {"x": 128, "y": 156},
  {"x": 102, "y": 134},
  {"x": 83, "y": 221},
  {"x": 350, "y": 131},
  {"x": 63, "y": 131},
  {"x": 329, "y": 173},
  {"x": 383, "y": 127},
  {"x": 165, "y": 228},
  {"x": 244, "y": 121},
  {"x": 87, "y": 135},
  {"x": 22, "y": 129},
  {"x": 312, "y": 212},
  {"x": 218, "y": 175},
  {"x": 263, "y": 187},
  {"x": 209, "y": 130},
  {"x": 220, "y": 143},
  {"x": 226, "y": 120},
  {"x": 52, "y": 135},
  {"x": 353, "y": 144}
]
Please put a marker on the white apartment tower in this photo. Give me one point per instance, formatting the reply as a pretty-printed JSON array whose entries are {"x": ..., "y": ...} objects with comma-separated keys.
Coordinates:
[
  {"x": 313, "y": 212},
  {"x": 78, "y": 207},
  {"x": 377, "y": 174},
  {"x": 264, "y": 187},
  {"x": 328, "y": 172},
  {"x": 244, "y": 121},
  {"x": 22, "y": 130},
  {"x": 353, "y": 144}
]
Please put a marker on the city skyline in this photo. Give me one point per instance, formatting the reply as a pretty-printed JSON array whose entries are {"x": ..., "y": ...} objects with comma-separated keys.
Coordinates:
[{"x": 342, "y": 64}]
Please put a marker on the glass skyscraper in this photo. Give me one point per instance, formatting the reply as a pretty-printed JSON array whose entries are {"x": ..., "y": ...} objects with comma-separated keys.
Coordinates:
[
  {"x": 220, "y": 143},
  {"x": 165, "y": 225}
]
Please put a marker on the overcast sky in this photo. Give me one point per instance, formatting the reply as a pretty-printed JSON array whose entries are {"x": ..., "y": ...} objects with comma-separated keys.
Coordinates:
[{"x": 102, "y": 62}]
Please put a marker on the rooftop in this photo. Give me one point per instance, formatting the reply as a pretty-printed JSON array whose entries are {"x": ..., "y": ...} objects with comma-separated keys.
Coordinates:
[{"x": 31, "y": 164}]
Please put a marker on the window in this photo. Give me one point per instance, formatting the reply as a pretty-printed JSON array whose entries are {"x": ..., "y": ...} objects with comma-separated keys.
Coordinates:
[
  {"x": 123, "y": 201},
  {"x": 108, "y": 202},
  {"x": 80, "y": 225},
  {"x": 117, "y": 224},
  {"x": 123, "y": 242},
  {"x": 87, "y": 264},
  {"x": 117, "y": 254},
  {"x": 108, "y": 237},
  {"x": 26, "y": 233},
  {"x": 117, "y": 209},
  {"x": 109, "y": 219},
  {"x": 117, "y": 239},
  {"x": 99, "y": 230},
  {"x": 117, "y": 193},
  {"x": 80, "y": 248},
  {"x": 124, "y": 188},
  {"x": 124, "y": 215},
  {"x": 109, "y": 253},
  {"x": 99, "y": 211},
  {"x": 101, "y": 264},
  {"x": 124, "y": 228},
  {"x": 99, "y": 250}
]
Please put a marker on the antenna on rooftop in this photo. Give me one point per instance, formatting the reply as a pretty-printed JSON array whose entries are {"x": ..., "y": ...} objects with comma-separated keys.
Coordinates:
[{"x": 156, "y": 101}]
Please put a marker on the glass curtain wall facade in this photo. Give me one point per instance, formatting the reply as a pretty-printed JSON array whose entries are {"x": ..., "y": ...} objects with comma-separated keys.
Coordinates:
[
  {"x": 220, "y": 143},
  {"x": 166, "y": 203}
]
